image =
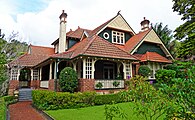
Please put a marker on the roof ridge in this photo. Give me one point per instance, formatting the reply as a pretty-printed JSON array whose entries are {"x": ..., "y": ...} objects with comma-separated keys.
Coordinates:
[{"x": 89, "y": 44}]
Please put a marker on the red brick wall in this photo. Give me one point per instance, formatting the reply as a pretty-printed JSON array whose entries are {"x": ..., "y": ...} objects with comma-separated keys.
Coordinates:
[
  {"x": 13, "y": 85},
  {"x": 86, "y": 85},
  {"x": 52, "y": 85},
  {"x": 35, "y": 84}
]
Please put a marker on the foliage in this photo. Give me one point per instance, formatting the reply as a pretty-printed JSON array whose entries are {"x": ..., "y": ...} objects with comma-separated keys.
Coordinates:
[
  {"x": 4, "y": 102},
  {"x": 68, "y": 80},
  {"x": 2, "y": 109},
  {"x": 144, "y": 70},
  {"x": 116, "y": 83},
  {"x": 114, "y": 111},
  {"x": 182, "y": 93},
  {"x": 149, "y": 102},
  {"x": 49, "y": 100},
  {"x": 108, "y": 99},
  {"x": 99, "y": 85},
  {"x": 165, "y": 76},
  {"x": 185, "y": 32}
]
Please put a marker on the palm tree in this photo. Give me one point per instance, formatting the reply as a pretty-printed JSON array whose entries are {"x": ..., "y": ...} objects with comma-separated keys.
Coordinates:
[{"x": 166, "y": 36}]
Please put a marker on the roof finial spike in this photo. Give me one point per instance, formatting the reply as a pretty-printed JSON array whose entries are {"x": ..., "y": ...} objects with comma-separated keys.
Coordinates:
[
  {"x": 118, "y": 12},
  {"x": 144, "y": 18},
  {"x": 62, "y": 11}
]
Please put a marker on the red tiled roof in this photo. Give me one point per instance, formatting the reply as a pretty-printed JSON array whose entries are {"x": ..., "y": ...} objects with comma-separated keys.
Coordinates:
[
  {"x": 41, "y": 50},
  {"x": 37, "y": 55},
  {"x": 133, "y": 41},
  {"x": 74, "y": 34},
  {"x": 96, "y": 46},
  {"x": 152, "y": 56}
]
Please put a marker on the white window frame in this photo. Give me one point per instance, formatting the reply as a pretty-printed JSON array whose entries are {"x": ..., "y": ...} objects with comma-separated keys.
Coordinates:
[
  {"x": 14, "y": 74},
  {"x": 119, "y": 36},
  {"x": 35, "y": 74},
  {"x": 88, "y": 68},
  {"x": 154, "y": 67},
  {"x": 128, "y": 70}
]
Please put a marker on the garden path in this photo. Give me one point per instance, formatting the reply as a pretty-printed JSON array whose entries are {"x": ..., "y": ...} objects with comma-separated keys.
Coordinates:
[{"x": 24, "y": 111}]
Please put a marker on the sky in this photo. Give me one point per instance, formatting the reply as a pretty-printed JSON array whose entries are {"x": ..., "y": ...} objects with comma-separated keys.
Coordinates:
[{"x": 37, "y": 21}]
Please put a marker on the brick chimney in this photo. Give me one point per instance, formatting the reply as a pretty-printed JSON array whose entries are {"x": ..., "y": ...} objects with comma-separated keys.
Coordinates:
[
  {"x": 62, "y": 36},
  {"x": 145, "y": 24}
]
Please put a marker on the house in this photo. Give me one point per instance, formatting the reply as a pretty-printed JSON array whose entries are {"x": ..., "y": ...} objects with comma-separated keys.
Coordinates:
[{"x": 110, "y": 52}]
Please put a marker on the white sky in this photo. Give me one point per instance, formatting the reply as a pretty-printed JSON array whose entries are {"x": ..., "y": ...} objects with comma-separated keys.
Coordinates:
[{"x": 37, "y": 21}]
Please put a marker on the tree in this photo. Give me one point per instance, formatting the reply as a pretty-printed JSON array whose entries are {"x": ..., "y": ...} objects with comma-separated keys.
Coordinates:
[
  {"x": 68, "y": 80},
  {"x": 144, "y": 70},
  {"x": 186, "y": 31}
]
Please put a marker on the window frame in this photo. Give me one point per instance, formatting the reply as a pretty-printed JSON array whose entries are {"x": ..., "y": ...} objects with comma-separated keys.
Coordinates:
[{"x": 118, "y": 37}]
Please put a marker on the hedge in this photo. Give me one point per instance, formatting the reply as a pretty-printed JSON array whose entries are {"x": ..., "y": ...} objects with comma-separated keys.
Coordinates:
[
  {"x": 165, "y": 76},
  {"x": 49, "y": 100}
]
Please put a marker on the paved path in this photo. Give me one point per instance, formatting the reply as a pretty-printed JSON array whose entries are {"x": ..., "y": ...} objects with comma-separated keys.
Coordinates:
[{"x": 24, "y": 111}]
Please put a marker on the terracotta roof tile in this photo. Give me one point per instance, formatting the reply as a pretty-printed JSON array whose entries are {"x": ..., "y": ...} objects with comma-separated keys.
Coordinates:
[
  {"x": 152, "y": 56},
  {"x": 37, "y": 55},
  {"x": 41, "y": 50},
  {"x": 96, "y": 46},
  {"x": 133, "y": 41}
]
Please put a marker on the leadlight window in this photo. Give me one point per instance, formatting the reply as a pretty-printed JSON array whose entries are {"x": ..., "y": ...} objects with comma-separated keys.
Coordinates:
[
  {"x": 118, "y": 37},
  {"x": 35, "y": 74},
  {"x": 88, "y": 68},
  {"x": 14, "y": 74}
]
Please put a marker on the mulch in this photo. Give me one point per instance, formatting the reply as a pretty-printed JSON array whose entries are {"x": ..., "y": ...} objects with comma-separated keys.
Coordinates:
[{"x": 24, "y": 111}]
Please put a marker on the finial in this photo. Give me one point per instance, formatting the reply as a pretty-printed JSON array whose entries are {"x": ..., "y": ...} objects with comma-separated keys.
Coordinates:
[
  {"x": 118, "y": 12},
  {"x": 62, "y": 11},
  {"x": 144, "y": 18}
]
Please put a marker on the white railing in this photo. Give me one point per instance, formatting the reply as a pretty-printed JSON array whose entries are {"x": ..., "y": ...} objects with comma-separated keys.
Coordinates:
[
  {"x": 44, "y": 84},
  {"x": 109, "y": 84}
]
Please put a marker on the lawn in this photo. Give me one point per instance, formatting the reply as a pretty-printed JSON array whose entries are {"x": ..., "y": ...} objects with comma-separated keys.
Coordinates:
[{"x": 91, "y": 113}]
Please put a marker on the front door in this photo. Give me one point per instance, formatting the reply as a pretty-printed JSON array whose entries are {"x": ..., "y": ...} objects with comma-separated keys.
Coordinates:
[
  {"x": 24, "y": 78},
  {"x": 108, "y": 71}
]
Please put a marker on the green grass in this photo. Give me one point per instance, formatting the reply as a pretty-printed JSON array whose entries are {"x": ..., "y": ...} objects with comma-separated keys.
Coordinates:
[
  {"x": 2, "y": 109},
  {"x": 91, "y": 113}
]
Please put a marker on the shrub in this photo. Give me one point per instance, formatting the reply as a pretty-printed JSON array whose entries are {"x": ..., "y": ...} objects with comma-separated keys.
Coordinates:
[
  {"x": 107, "y": 99},
  {"x": 165, "y": 76},
  {"x": 99, "y": 85},
  {"x": 49, "y": 100},
  {"x": 68, "y": 80},
  {"x": 116, "y": 83},
  {"x": 144, "y": 70}
]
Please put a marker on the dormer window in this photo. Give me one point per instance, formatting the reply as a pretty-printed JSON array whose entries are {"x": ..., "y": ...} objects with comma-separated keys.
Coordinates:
[{"x": 118, "y": 37}]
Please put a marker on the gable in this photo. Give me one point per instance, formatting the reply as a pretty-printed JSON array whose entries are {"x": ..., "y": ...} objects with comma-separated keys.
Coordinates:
[
  {"x": 120, "y": 23},
  {"x": 150, "y": 47},
  {"x": 152, "y": 37}
]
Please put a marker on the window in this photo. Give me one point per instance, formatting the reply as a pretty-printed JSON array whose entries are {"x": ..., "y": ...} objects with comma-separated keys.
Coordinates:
[
  {"x": 88, "y": 68},
  {"x": 128, "y": 70},
  {"x": 108, "y": 71},
  {"x": 35, "y": 74},
  {"x": 14, "y": 74},
  {"x": 118, "y": 37},
  {"x": 106, "y": 35},
  {"x": 154, "y": 67}
]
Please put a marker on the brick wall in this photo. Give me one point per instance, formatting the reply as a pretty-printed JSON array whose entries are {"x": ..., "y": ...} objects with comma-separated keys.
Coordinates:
[
  {"x": 35, "y": 84},
  {"x": 52, "y": 85},
  {"x": 13, "y": 85},
  {"x": 86, "y": 85}
]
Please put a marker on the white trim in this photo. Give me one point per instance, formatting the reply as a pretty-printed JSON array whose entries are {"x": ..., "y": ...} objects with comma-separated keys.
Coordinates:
[
  {"x": 84, "y": 68},
  {"x": 119, "y": 36},
  {"x": 131, "y": 30},
  {"x": 104, "y": 35},
  {"x": 50, "y": 71},
  {"x": 40, "y": 73}
]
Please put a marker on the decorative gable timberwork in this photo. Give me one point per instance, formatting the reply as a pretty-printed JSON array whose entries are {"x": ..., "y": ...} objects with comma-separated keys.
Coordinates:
[
  {"x": 120, "y": 24},
  {"x": 152, "y": 37}
]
